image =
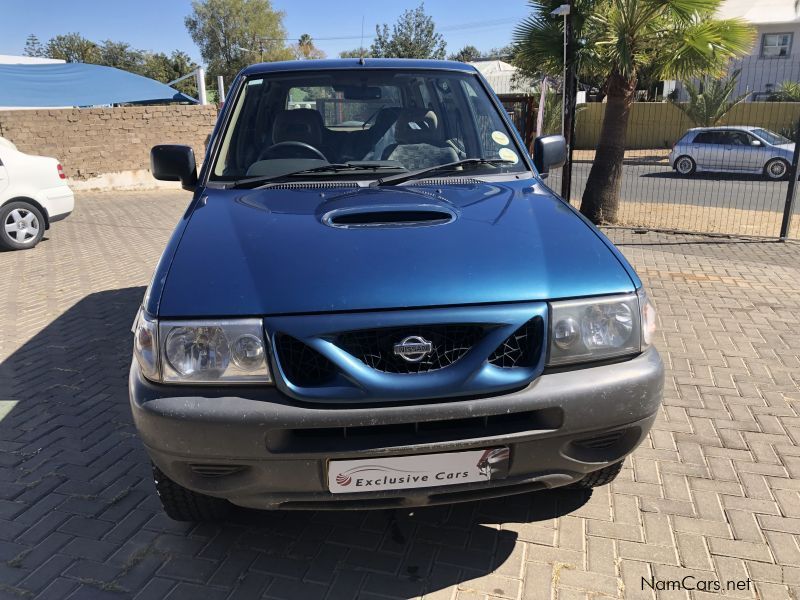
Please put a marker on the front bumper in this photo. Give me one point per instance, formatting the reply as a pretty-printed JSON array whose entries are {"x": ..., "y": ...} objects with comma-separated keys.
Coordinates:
[{"x": 262, "y": 449}]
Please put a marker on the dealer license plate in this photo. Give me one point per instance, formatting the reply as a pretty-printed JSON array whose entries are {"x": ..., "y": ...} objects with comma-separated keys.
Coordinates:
[{"x": 417, "y": 471}]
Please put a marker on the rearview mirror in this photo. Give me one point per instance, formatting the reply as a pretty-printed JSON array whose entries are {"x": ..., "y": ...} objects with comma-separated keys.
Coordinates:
[
  {"x": 172, "y": 162},
  {"x": 549, "y": 152},
  {"x": 755, "y": 143}
]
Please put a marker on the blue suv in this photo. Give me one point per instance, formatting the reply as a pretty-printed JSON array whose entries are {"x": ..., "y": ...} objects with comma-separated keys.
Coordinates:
[{"x": 374, "y": 301}]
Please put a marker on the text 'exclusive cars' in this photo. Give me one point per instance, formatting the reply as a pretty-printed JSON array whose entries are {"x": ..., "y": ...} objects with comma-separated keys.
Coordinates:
[{"x": 374, "y": 301}]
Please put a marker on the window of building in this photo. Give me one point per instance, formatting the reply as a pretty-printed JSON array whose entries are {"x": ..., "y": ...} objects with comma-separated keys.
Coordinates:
[{"x": 776, "y": 45}]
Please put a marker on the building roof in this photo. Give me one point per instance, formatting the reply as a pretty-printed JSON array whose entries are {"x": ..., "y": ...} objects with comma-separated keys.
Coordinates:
[
  {"x": 760, "y": 12},
  {"x": 502, "y": 77},
  {"x": 11, "y": 59},
  {"x": 78, "y": 84}
]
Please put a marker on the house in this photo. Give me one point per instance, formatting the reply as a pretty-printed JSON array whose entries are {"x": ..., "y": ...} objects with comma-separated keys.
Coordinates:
[{"x": 775, "y": 55}]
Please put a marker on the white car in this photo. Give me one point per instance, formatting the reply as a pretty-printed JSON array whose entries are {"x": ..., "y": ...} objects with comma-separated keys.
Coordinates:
[{"x": 33, "y": 194}]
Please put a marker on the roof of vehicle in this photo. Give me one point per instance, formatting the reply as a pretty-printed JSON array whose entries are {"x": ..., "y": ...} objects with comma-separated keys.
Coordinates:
[
  {"x": 739, "y": 127},
  {"x": 357, "y": 63}
]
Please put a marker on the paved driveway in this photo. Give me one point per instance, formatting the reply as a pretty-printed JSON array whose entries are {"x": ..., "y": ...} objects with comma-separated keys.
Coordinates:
[{"x": 712, "y": 496}]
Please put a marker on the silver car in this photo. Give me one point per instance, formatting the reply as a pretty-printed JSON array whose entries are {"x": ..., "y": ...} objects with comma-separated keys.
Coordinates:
[{"x": 733, "y": 149}]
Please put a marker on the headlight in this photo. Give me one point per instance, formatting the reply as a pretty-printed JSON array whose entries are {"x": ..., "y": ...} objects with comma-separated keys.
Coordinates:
[
  {"x": 145, "y": 344},
  {"x": 221, "y": 351},
  {"x": 214, "y": 352},
  {"x": 595, "y": 329}
]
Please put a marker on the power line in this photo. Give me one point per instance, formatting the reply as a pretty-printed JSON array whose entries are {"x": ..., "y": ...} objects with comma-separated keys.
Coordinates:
[{"x": 460, "y": 27}]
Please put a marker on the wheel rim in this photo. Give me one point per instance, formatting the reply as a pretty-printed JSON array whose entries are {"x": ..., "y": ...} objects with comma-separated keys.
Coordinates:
[
  {"x": 684, "y": 165},
  {"x": 22, "y": 226},
  {"x": 776, "y": 169}
]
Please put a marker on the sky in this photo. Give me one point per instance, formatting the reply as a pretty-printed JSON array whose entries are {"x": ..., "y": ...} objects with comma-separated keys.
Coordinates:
[{"x": 157, "y": 25}]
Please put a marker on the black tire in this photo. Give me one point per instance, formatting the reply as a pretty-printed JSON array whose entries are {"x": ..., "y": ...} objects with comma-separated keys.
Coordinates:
[
  {"x": 602, "y": 477},
  {"x": 684, "y": 159},
  {"x": 32, "y": 233},
  {"x": 181, "y": 504},
  {"x": 779, "y": 167}
]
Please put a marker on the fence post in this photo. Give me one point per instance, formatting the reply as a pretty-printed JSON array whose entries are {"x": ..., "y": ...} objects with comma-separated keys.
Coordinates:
[
  {"x": 570, "y": 85},
  {"x": 790, "y": 192}
]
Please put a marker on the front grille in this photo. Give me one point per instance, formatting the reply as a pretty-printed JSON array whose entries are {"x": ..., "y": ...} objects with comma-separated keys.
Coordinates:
[
  {"x": 375, "y": 347},
  {"x": 340, "y": 439},
  {"x": 302, "y": 365},
  {"x": 521, "y": 348}
]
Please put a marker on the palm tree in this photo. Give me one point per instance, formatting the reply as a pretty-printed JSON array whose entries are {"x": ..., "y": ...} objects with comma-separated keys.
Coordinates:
[
  {"x": 707, "y": 107},
  {"x": 616, "y": 40},
  {"x": 788, "y": 91}
]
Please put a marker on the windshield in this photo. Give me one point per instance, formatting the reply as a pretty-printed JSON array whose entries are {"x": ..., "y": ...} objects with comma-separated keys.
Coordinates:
[
  {"x": 369, "y": 123},
  {"x": 771, "y": 137}
]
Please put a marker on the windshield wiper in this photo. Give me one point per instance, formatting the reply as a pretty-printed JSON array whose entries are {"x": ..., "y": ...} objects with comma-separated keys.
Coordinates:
[
  {"x": 333, "y": 167},
  {"x": 421, "y": 173}
]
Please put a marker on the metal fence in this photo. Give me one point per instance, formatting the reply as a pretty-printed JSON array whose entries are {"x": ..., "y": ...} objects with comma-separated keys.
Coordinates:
[{"x": 731, "y": 180}]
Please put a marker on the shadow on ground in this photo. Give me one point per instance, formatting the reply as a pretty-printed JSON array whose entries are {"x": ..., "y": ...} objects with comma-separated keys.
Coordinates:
[{"x": 79, "y": 517}]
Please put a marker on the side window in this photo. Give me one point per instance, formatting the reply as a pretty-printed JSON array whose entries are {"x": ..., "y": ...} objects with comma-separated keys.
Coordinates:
[
  {"x": 453, "y": 122},
  {"x": 483, "y": 119},
  {"x": 739, "y": 138},
  {"x": 705, "y": 137}
]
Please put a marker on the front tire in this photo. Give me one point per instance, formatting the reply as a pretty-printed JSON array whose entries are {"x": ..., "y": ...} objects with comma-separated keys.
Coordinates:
[
  {"x": 602, "y": 477},
  {"x": 21, "y": 226},
  {"x": 685, "y": 166},
  {"x": 776, "y": 169},
  {"x": 181, "y": 504}
]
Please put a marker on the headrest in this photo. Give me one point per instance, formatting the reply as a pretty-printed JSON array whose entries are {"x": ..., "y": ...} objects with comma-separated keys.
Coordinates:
[
  {"x": 417, "y": 126},
  {"x": 298, "y": 125}
]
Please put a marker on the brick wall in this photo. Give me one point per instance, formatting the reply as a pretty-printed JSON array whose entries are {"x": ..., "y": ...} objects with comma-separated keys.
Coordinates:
[{"x": 94, "y": 142}]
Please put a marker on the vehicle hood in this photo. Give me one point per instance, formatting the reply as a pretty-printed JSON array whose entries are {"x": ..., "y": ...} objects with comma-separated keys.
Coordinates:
[
  {"x": 786, "y": 147},
  {"x": 267, "y": 252}
]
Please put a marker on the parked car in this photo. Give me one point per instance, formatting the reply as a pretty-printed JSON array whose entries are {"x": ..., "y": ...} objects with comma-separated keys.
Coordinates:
[
  {"x": 33, "y": 194},
  {"x": 390, "y": 315},
  {"x": 729, "y": 149}
]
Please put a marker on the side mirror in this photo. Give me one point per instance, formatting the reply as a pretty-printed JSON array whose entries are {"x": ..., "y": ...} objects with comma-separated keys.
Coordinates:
[
  {"x": 171, "y": 162},
  {"x": 549, "y": 152},
  {"x": 755, "y": 143}
]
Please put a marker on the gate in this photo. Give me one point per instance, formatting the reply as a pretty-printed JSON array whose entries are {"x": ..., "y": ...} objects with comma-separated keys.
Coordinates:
[{"x": 737, "y": 177}]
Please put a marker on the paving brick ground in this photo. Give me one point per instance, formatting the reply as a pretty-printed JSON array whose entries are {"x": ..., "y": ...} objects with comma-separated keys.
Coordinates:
[{"x": 712, "y": 495}]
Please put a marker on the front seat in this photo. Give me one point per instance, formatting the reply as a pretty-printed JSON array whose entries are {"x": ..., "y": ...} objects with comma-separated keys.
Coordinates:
[
  {"x": 298, "y": 125},
  {"x": 419, "y": 143}
]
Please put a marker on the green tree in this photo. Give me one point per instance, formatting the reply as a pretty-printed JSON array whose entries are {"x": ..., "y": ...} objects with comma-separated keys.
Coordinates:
[
  {"x": 166, "y": 68},
  {"x": 33, "y": 47},
  {"x": 707, "y": 107},
  {"x": 677, "y": 39},
  {"x": 73, "y": 47},
  {"x": 468, "y": 53},
  {"x": 305, "y": 49},
  {"x": 234, "y": 33},
  {"x": 412, "y": 36},
  {"x": 355, "y": 53},
  {"x": 121, "y": 56}
]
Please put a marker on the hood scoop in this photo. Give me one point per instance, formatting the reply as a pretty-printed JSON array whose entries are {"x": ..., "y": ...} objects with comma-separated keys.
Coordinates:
[{"x": 405, "y": 215}]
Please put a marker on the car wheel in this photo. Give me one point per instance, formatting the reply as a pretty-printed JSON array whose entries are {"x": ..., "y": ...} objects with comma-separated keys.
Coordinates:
[
  {"x": 21, "y": 226},
  {"x": 181, "y": 504},
  {"x": 685, "y": 166},
  {"x": 602, "y": 477},
  {"x": 776, "y": 169}
]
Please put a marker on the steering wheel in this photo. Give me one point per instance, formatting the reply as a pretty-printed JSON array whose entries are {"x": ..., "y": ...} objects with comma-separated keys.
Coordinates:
[{"x": 292, "y": 144}]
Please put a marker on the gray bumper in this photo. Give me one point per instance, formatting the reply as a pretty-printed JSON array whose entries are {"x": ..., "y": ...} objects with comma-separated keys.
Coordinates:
[{"x": 262, "y": 449}]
